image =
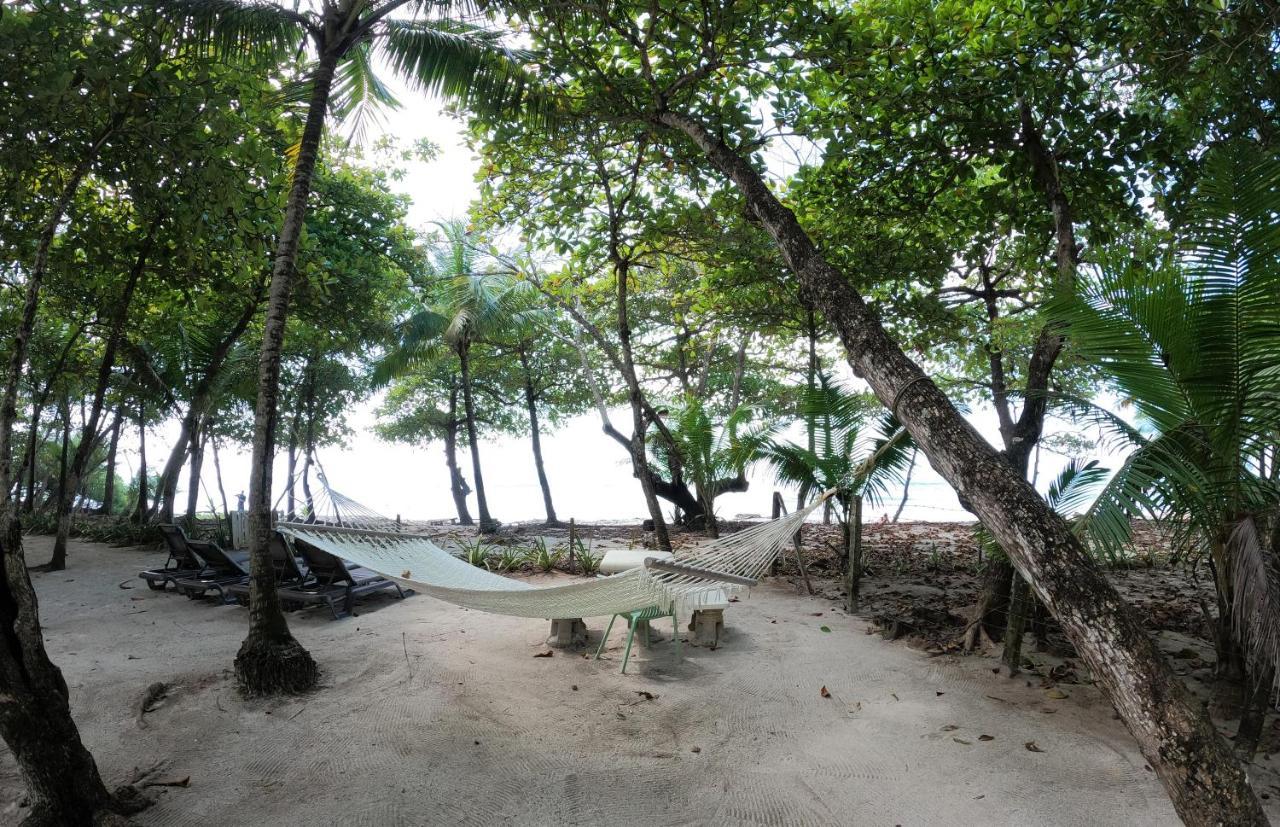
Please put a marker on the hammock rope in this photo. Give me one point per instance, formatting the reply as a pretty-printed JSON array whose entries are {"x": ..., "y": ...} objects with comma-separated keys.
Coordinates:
[{"x": 343, "y": 527}]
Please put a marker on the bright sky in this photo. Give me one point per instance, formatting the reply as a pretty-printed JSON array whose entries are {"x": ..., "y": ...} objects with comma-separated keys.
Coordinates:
[{"x": 590, "y": 475}]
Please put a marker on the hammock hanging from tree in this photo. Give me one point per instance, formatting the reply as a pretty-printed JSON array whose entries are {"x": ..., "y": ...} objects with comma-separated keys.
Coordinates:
[{"x": 703, "y": 575}]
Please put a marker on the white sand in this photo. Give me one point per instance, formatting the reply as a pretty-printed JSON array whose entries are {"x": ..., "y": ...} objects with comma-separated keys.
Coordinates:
[{"x": 431, "y": 714}]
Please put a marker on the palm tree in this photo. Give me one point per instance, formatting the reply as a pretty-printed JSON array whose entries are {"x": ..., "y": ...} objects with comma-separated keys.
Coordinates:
[
  {"x": 711, "y": 456},
  {"x": 463, "y": 62},
  {"x": 845, "y": 456},
  {"x": 469, "y": 299},
  {"x": 1191, "y": 346}
]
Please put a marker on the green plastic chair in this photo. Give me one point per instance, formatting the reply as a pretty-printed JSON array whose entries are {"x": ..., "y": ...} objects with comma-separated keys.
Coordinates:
[{"x": 633, "y": 618}]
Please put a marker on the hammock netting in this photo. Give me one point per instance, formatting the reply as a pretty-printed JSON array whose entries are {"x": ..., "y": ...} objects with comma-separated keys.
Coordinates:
[{"x": 348, "y": 530}]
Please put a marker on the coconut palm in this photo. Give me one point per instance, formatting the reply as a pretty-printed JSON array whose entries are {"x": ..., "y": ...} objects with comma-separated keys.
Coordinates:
[
  {"x": 468, "y": 298},
  {"x": 1191, "y": 346},
  {"x": 713, "y": 456},
  {"x": 435, "y": 54},
  {"x": 847, "y": 455}
]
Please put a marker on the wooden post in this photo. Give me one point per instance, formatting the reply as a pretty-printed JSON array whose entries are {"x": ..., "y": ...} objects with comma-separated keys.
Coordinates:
[
  {"x": 854, "y": 528},
  {"x": 573, "y": 537}
]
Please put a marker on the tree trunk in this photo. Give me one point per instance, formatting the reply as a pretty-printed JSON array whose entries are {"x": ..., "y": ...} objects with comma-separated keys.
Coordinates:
[
  {"x": 193, "y": 483},
  {"x": 290, "y": 505},
  {"x": 140, "y": 505},
  {"x": 89, "y": 433},
  {"x": 906, "y": 485},
  {"x": 35, "y": 716},
  {"x": 457, "y": 483},
  {"x": 217, "y": 473},
  {"x": 202, "y": 397},
  {"x": 487, "y": 523},
  {"x": 639, "y": 458},
  {"x": 270, "y": 660},
  {"x": 1198, "y": 769},
  {"x": 531, "y": 402},
  {"x": 109, "y": 484}
]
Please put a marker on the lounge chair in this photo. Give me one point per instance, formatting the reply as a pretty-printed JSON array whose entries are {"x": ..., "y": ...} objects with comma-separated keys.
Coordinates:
[
  {"x": 333, "y": 583},
  {"x": 222, "y": 570},
  {"x": 182, "y": 562},
  {"x": 288, "y": 568}
]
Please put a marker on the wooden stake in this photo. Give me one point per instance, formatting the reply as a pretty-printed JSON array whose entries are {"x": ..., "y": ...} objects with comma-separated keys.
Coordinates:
[{"x": 573, "y": 535}]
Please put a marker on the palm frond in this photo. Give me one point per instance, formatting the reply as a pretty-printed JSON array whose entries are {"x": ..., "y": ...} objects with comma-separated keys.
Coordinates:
[
  {"x": 1256, "y": 585},
  {"x": 234, "y": 28},
  {"x": 465, "y": 64}
]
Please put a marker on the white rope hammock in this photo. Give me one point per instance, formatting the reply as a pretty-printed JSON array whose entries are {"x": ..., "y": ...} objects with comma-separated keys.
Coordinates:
[{"x": 348, "y": 530}]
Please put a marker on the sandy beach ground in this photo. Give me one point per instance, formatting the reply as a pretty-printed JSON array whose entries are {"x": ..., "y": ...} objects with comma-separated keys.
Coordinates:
[{"x": 431, "y": 714}]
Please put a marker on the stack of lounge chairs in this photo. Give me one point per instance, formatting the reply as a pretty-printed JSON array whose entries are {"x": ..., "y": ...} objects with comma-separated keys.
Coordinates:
[{"x": 305, "y": 575}]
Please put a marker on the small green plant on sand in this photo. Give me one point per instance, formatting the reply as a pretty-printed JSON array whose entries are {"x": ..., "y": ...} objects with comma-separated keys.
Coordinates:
[
  {"x": 509, "y": 559},
  {"x": 541, "y": 556},
  {"x": 590, "y": 563},
  {"x": 476, "y": 553}
]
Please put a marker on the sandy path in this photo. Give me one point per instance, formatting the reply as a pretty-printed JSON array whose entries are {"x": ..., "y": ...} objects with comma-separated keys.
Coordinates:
[{"x": 432, "y": 714}]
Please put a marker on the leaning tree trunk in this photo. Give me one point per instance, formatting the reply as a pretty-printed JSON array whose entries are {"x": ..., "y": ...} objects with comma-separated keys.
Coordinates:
[
  {"x": 35, "y": 716},
  {"x": 1201, "y": 775},
  {"x": 140, "y": 505},
  {"x": 270, "y": 660},
  {"x": 89, "y": 433},
  {"x": 487, "y": 523},
  {"x": 531, "y": 402},
  {"x": 202, "y": 398}
]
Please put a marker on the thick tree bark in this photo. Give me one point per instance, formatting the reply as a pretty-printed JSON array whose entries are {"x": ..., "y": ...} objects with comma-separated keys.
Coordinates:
[
  {"x": 109, "y": 484},
  {"x": 270, "y": 660},
  {"x": 1198, "y": 769},
  {"x": 535, "y": 437},
  {"x": 457, "y": 482},
  {"x": 89, "y": 433},
  {"x": 487, "y": 523}
]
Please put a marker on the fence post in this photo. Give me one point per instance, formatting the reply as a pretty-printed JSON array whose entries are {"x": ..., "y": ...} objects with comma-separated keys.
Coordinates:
[{"x": 573, "y": 536}]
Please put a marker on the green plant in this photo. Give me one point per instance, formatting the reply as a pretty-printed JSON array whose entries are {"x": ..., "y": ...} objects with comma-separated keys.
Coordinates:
[
  {"x": 541, "y": 556},
  {"x": 476, "y": 552},
  {"x": 509, "y": 559},
  {"x": 590, "y": 563}
]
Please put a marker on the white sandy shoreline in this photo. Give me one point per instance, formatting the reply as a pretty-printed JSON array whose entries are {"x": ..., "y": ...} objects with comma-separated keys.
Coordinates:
[{"x": 431, "y": 714}]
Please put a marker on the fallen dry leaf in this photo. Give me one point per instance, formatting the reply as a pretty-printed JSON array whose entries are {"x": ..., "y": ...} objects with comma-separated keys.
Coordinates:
[
  {"x": 986, "y": 737},
  {"x": 545, "y": 654},
  {"x": 950, "y": 728},
  {"x": 824, "y": 693},
  {"x": 1032, "y": 747},
  {"x": 962, "y": 741},
  {"x": 406, "y": 574},
  {"x": 1056, "y": 694}
]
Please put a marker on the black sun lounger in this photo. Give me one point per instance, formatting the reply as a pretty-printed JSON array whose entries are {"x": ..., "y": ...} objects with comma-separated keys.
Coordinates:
[
  {"x": 182, "y": 562},
  {"x": 288, "y": 568},
  {"x": 222, "y": 570},
  {"x": 332, "y": 583}
]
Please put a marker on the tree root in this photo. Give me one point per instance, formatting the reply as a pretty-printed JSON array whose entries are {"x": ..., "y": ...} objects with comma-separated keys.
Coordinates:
[{"x": 274, "y": 666}]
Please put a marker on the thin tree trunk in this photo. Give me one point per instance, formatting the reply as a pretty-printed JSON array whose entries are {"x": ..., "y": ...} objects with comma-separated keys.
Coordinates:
[
  {"x": 140, "y": 504},
  {"x": 270, "y": 660},
  {"x": 906, "y": 485},
  {"x": 217, "y": 472},
  {"x": 531, "y": 402},
  {"x": 1198, "y": 769},
  {"x": 639, "y": 458},
  {"x": 306, "y": 485},
  {"x": 89, "y": 433},
  {"x": 109, "y": 484},
  {"x": 290, "y": 506},
  {"x": 202, "y": 397},
  {"x": 193, "y": 481},
  {"x": 457, "y": 482},
  {"x": 487, "y": 523}
]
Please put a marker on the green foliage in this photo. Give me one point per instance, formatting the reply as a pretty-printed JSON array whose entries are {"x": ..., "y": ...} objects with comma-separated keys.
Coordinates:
[
  {"x": 477, "y": 553},
  {"x": 587, "y": 562},
  {"x": 509, "y": 559},
  {"x": 542, "y": 557}
]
